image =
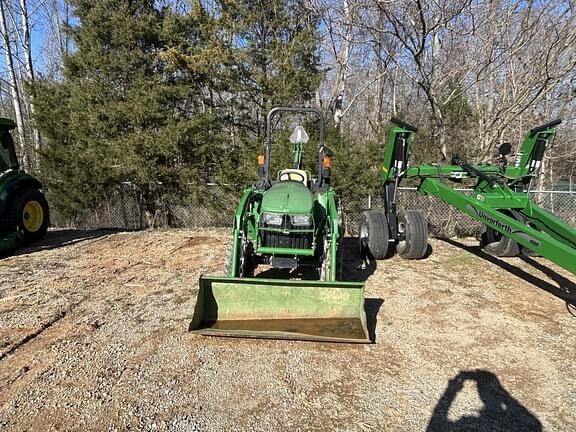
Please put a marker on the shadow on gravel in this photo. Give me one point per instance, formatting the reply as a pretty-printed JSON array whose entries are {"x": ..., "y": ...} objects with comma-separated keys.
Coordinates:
[
  {"x": 500, "y": 411},
  {"x": 58, "y": 238},
  {"x": 565, "y": 290},
  {"x": 355, "y": 268},
  {"x": 372, "y": 307}
]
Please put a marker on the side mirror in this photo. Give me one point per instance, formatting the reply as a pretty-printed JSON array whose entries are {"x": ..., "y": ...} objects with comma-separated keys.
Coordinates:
[{"x": 504, "y": 149}]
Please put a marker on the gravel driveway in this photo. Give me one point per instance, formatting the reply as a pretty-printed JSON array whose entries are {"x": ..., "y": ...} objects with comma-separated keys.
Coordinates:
[{"x": 93, "y": 336}]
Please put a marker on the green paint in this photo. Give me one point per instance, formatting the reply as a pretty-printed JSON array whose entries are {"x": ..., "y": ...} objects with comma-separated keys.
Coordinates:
[
  {"x": 494, "y": 197},
  {"x": 287, "y": 197},
  {"x": 312, "y": 310}
]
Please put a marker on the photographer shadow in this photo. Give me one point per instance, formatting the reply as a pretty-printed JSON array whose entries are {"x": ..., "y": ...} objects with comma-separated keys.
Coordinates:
[{"x": 501, "y": 412}]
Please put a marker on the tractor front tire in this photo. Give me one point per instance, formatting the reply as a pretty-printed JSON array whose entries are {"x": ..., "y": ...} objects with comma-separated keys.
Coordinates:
[
  {"x": 228, "y": 259},
  {"x": 374, "y": 234},
  {"x": 245, "y": 266},
  {"x": 413, "y": 235},
  {"x": 30, "y": 214}
]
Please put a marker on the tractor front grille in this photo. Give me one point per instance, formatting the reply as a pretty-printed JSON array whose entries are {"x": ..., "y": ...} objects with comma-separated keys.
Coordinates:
[{"x": 291, "y": 240}]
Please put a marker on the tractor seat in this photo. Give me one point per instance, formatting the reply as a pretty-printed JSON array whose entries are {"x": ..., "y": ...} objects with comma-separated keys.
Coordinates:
[{"x": 292, "y": 174}]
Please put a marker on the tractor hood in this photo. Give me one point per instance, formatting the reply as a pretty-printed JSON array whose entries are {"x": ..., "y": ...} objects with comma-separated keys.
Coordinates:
[{"x": 288, "y": 198}]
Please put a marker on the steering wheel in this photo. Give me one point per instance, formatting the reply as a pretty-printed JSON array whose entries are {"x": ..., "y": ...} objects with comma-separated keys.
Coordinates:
[{"x": 293, "y": 176}]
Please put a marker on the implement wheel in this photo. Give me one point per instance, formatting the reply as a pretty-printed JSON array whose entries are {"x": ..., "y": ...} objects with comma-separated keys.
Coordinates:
[
  {"x": 499, "y": 245},
  {"x": 29, "y": 213},
  {"x": 373, "y": 234},
  {"x": 523, "y": 249},
  {"x": 412, "y": 235}
]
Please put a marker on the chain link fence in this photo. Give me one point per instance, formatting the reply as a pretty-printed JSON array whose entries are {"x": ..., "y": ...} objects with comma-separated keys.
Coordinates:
[
  {"x": 445, "y": 221},
  {"x": 125, "y": 208}
]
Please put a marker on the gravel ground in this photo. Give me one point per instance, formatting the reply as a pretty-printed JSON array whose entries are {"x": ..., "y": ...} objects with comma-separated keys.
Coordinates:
[{"x": 93, "y": 336}]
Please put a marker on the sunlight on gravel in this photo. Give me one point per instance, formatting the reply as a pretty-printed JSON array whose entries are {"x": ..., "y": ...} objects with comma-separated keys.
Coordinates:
[{"x": 94, "y": 336}]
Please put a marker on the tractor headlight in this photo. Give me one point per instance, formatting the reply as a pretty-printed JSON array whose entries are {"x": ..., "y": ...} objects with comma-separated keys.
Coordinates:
[
  {"x": 273, "y": 219},
  {"x": 301, "y": 220}
]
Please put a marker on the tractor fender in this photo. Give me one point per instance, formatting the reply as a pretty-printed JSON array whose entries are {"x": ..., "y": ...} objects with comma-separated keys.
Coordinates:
[{"x": 12, "y": 184}]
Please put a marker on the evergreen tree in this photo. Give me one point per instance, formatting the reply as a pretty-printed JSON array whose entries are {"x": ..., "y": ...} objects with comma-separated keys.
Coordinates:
[
  {"x": 273, "y": 60},
  {"x": 127, "y": 108},
  {"x": 170, "y": 101}
]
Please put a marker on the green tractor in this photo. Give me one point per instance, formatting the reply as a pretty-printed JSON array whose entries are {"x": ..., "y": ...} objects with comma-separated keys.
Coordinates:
[
  {"x": 291, "y": 220},
  {"x": 24, "y": 213},
  {"x": 287, "y": 221}
]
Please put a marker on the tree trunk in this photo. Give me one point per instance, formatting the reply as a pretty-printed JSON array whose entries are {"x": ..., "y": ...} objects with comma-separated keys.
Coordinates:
[
  {"x": 16, "y": 101},
  {"x": 27, "y": 45},
  {"x": 343, "y": 58}
]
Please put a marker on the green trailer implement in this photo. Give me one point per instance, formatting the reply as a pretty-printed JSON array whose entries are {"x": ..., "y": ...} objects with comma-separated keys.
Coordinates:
[
  {"x": 24, "y": 212},
  {"x": 290, "y": 222},
  {"x": 500, "y": 200}
]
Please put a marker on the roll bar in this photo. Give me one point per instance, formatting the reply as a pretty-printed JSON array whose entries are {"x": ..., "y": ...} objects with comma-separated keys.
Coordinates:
[{"x": 268, "y": 142}]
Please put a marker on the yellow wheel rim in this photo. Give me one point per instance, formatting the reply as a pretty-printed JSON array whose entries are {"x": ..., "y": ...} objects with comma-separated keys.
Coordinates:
[{"x": 32, "y": 216}]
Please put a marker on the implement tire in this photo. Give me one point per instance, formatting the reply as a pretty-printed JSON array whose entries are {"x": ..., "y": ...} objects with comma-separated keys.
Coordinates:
[
  {"x": 523, "y": 249},
  {"x": 499, "y": 245},
  {"x": 413, "y": 235},
  {"x": 373, "y": 234}
]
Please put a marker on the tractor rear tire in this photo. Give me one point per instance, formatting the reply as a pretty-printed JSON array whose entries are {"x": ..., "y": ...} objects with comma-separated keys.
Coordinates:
[
  {"x": 499, "y": 245},
  {"x": 374, "y": 234},
  {"x": 413, "y": 232},
  {"x": 29, "y": 213}
]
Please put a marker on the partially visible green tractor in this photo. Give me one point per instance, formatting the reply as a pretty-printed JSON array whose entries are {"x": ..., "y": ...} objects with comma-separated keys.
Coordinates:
[
  {"x": 287, "y": 220},
  {"x": 24, "y": 213}
]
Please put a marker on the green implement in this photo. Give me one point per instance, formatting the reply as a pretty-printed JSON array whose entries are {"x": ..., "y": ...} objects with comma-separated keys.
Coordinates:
[
  {"x": 500, "y": 199},
  {"x": 281, "y": 309}
]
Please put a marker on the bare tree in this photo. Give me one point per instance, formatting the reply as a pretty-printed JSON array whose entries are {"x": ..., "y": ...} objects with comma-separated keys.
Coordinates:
[
  {"x": 13, "y": 80},
  {"x": 26, "y": 40}
]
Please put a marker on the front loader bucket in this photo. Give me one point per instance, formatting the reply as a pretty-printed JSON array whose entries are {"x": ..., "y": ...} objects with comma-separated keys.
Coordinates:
[{"x": 281, "y": 309}]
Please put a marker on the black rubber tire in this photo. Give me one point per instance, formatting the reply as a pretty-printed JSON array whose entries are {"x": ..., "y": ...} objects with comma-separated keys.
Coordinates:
[
  {"x": 413, "y": 226},
  {"x": 373, "y": 234},
  {"x": 250, "y": 267},
  {"x": 228, "y": 259},
  {"x": 523, "y": 249},
  {"x": 499, "y": 245},
  {"x": 17, "y": 214}
]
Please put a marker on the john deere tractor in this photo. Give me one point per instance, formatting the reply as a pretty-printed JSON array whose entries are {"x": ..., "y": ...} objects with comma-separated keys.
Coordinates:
[
  {"x": 24, "y": 211},
  {"x": 287, "y": 220}
]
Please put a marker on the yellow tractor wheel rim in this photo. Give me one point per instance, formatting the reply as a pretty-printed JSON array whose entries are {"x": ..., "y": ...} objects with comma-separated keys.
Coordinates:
[{"x": 32, "y": 216}]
